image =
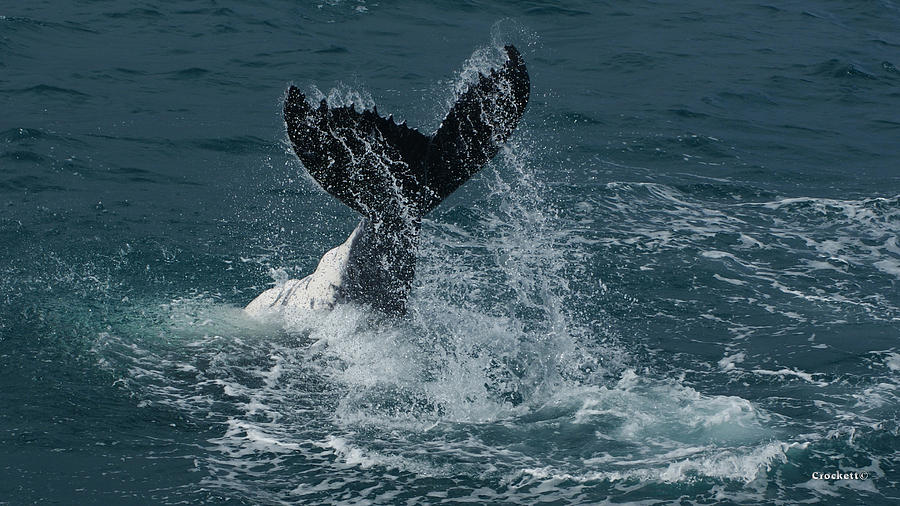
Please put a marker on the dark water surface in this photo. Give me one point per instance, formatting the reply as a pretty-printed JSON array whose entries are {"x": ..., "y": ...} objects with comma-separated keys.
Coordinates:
[{"x": 678, "y": 283}]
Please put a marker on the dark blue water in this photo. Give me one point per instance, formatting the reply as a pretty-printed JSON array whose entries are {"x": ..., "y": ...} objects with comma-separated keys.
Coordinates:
[{"x": 679, "y": 283}]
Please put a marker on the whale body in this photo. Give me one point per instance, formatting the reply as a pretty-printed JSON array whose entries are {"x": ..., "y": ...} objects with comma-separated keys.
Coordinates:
[{"x": 392, "y": 175}]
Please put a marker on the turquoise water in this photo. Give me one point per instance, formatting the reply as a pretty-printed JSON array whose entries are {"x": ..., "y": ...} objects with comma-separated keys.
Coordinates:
[{"x": 679, "y": 283}]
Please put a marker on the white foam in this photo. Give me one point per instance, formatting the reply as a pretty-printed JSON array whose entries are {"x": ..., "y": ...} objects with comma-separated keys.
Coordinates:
[
  {"x": 892, "y": 361},
  {"x": 735, "y": 282},
  {"x": 889, "y": 265},
  {"x": 733, "y": 465},
  {"x": 744, "y": 465},
  {"x": 355, "y": 456},
  {"x": 728, "y": 362},
  {"x": 638, "y": 409},
  {"x": 791, "y": 372}
]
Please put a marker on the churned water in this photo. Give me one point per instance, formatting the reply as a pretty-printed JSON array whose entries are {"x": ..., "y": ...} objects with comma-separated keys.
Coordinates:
[{"x": 677, "y": 283}]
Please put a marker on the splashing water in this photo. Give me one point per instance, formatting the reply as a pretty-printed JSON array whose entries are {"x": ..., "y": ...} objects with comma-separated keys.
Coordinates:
[{"x": 492, "y": 376}]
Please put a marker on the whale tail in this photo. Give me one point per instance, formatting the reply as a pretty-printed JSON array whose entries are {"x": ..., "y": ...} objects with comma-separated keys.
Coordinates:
[{"x": 391, "y": 173}]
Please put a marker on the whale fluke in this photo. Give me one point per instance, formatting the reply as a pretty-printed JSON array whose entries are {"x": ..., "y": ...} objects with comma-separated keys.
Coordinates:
[
  {"x": 392, "y": 175},
  {"x": 387, "y": 171}
]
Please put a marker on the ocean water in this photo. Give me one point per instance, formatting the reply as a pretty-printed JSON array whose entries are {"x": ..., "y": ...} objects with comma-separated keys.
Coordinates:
[{"x": 678, "y": 283}]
